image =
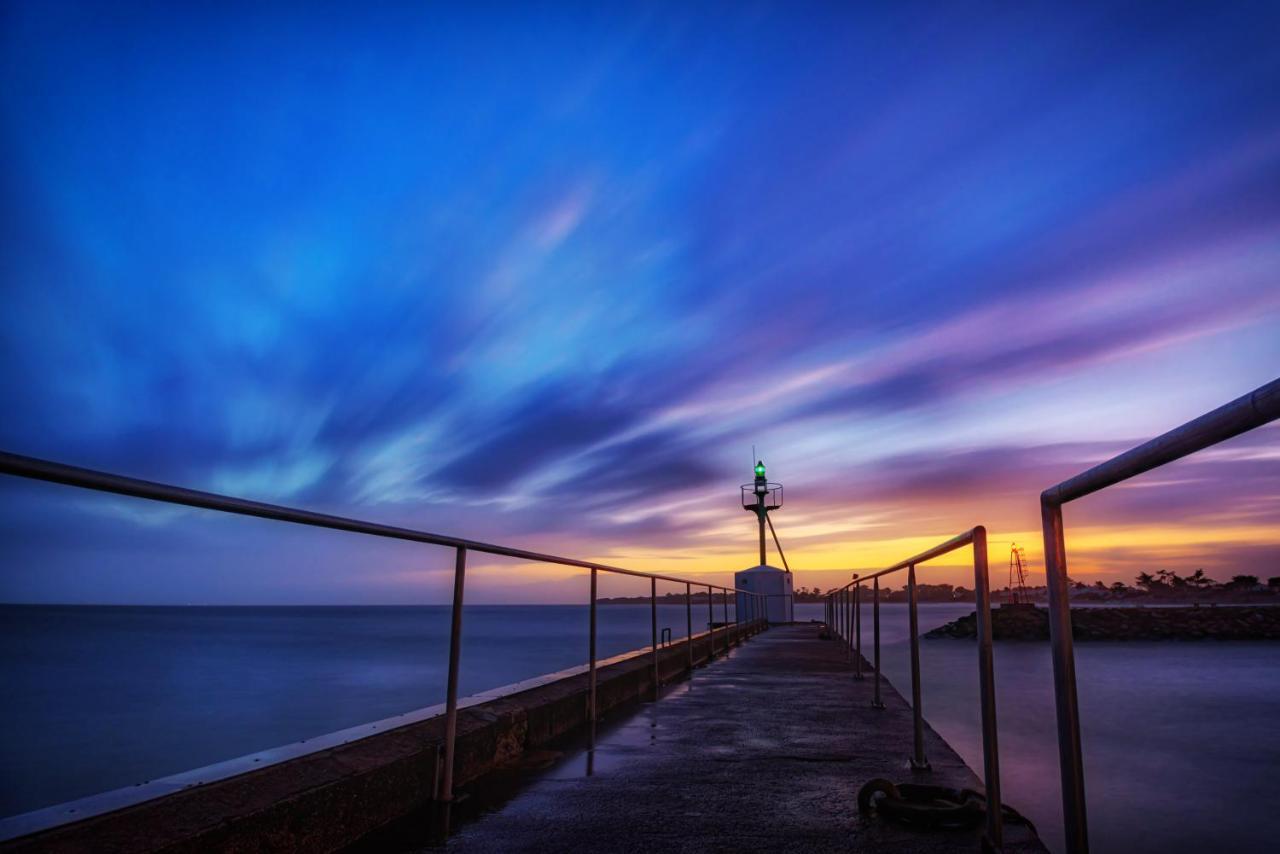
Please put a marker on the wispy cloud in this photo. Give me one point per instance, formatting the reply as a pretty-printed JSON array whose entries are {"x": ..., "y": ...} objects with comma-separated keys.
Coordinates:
[{"x": 548, "y": 282}]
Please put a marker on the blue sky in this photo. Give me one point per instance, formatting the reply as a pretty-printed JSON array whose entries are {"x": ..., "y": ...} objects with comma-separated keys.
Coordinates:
[{"x": 544, "y": 276}]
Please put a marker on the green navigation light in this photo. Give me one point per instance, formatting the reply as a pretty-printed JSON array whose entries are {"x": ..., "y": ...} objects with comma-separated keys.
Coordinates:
[{"x": 760, "y": 469}]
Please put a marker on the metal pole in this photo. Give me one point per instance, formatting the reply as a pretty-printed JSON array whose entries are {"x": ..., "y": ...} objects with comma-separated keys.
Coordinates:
[
  {"x": 848, "y": 617},
  {"x": 857, "y": 631},
  {"x": 724, "y": 610},
  {"x": 987, "y": 686},
  {"x": 688, "y": 615},
  {"x": 1070, "y": 755},
  {"x": 653, "y": 616},
  {"x": 840, "y": 616},
  {"x": 848, "y": 622},
  {"x": 762, "y": 513},
  {"x": 918, "y": 760},
  {"x": 876, "y": 702},
  {"x": 711, "y": 628},
  {"x": 591, "y": 701},
  {"x": 451, "y": 693}
]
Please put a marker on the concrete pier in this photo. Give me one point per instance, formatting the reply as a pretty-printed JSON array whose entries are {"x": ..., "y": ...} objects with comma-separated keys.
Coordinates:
[{"x": 763, "y": 751}]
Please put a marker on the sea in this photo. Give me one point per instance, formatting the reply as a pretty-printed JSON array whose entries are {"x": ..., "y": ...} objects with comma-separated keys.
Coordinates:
[{"x": 1181, "y": 739}]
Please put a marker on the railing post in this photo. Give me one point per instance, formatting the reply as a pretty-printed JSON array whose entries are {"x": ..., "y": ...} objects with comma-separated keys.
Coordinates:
[
  {"x": 987, "y": 686},
  {"x": 857, "y": 631},
  {"x": 451, "y": 692},
  {"x": 848, "y": 622},
  {"x": 840, "y": 616},
  {"x": 591, "y": 697},
  {"x": 724, "y": 610},
  {"x": 653, "y": 617},
  {"x": 711, "y": 627},
  {"x": 1070, "y": 758},
  {"x": 688, "y": 615},
  {"x": 876, "y": 702},
  {"x": 918, "y": 760}
]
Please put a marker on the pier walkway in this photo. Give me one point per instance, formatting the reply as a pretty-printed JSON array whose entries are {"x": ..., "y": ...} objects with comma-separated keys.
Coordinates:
[{"x": 763, "y": 751}]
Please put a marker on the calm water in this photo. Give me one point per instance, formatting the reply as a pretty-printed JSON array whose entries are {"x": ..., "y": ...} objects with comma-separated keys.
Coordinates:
[{"x": 1181, "y": 740}]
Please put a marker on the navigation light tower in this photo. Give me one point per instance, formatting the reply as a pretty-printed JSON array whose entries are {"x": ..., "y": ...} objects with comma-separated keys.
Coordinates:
[
  {"x": 759, "y": 498},
  {"x": 775, "y": 585}
]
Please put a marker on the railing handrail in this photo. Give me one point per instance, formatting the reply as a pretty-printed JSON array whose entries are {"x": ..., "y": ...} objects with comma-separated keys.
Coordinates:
[
  {"x": 956, "y": 542},
  {"x": 1241, "y": 415},
  {"x": 845, "y": 618},
  {"x": 1247, "y": 412},
  {"x": 33, "y": 468},
  {"x": 53, "y": 472}
]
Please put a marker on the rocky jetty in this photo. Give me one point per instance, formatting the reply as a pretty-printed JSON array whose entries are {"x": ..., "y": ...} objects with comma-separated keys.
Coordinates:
[{"x": 1192, "y": 622}]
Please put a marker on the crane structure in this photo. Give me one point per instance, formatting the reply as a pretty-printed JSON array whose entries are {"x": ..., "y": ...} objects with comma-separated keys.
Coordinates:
[{"x": 1018, "y": 594}]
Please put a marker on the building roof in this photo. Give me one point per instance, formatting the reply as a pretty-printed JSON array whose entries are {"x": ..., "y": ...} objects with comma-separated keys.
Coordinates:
[{"x": 761, "y": 568}]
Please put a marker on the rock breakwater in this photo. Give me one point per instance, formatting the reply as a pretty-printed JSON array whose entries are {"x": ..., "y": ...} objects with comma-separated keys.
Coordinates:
[{"x": 1193, "y": 622}]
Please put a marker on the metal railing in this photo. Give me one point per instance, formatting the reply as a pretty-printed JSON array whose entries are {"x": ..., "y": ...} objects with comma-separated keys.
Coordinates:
[
  {"x": 772, "y": 496},
  {"x": 845, "y": 621},
  {"x": 1255, "y": 409},
  {"x": 52, "y": 472},
  {"x": 761, "y": 601}
]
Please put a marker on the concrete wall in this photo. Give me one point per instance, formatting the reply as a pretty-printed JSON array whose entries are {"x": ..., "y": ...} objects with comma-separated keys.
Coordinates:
[{"x": 329, "y": 799}]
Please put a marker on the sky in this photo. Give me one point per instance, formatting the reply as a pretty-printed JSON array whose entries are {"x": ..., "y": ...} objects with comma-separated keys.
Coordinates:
[{"x": 543, "y": 275}]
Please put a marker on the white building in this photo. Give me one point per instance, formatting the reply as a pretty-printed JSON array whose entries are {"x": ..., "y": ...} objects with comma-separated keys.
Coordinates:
[{"x": 772, "y": 582}]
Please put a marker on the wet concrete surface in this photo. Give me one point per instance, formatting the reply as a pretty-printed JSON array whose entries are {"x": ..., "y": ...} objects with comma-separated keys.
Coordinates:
[{"x": 764, "y": 750}]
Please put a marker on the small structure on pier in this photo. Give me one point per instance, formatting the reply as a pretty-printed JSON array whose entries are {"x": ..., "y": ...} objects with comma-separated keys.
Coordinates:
[{"x": 759, "y": 497}]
